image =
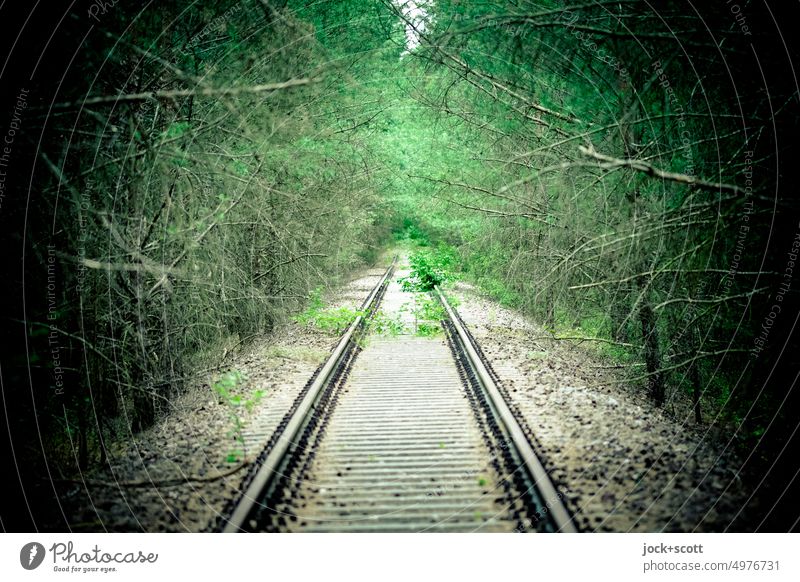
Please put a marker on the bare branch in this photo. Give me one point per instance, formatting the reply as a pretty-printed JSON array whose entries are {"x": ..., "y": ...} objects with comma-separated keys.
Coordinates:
[
  {"x": 655, "y": 273},
  {"x": 178, "y": 93},
  {"x": 157, "y": 270},
  {"x": 640, "y": 166},
  {"x": 480, "y": 189},
  {"x": 492, "y": 20},
  {"x": 584, "y": 339},
  {"x": 292, "y": 260},
  {"x": 709, "y": 301},
  {"x": 697, "y": 356},
  {"x": 499, "y": 213}
]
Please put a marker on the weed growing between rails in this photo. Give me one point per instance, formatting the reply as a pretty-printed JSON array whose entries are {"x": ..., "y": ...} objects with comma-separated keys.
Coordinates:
[
  {"x": 430, "y": 268},
  {"x": 420, "y": 315},
  {"x": 425, "y": 321},
  {"x": 428, "y": 314},
  {"x": 386, "y": 325}
]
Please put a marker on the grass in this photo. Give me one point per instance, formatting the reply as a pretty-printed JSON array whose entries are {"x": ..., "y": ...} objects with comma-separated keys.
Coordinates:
[
  {"x": 428, "y": 312},
  {"x": 425, "y": 329},
  {"x": 499, "y": 291},
  {"x": 429, "y": 309},
  {"x": 332, "y": 320}
]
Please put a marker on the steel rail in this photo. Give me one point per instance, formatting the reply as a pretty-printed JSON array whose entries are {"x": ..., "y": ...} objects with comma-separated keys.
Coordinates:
[
  {"x": 538, "y": 474},
  {"x": 252, "y": 495}
]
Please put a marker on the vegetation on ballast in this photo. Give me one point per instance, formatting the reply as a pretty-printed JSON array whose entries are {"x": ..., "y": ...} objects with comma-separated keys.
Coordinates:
[
  {"x": 333, "y": 320},
  {"x": 430, "y": 268},
  {"x": 230, "y": 388}
]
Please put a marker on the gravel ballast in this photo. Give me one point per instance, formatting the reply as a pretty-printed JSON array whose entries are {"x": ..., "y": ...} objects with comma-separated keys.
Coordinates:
[
  {"x": 621, "y": 463},
  {"x": 177, "y": 475}
]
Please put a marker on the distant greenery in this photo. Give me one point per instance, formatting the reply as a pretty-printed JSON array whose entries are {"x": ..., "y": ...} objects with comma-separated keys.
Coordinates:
[{"x": 409, "y": 230}]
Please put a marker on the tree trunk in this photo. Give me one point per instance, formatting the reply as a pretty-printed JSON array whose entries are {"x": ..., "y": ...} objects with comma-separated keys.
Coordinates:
[{"x": 652, "y": 355}]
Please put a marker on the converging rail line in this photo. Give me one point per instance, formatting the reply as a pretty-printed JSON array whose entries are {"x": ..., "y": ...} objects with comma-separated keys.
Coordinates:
[{"x": 403, "y": 434}]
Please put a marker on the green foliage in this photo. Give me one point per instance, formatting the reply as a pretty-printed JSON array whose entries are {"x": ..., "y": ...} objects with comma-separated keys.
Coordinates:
[
  {"x": 317, "y": 178},
  {"x": 176, "y": 129},
  {"x": 330, "y": 320},
  {"x": 500, "y": 291},
  {"x": 210, "y": 233},
  {"x": 428, "y": 312},
  {"x": 382, "y": 324},
  {"x": 411, "y": 231},
  {"x": 426, "y": 329},
  {"x": 333, "y": 320},
  {"x": 429, "y": 308},
  {"x": 569, "y": 247},
  {"x": 230, "y": 388},
  {"x": 429, "y": 269}
]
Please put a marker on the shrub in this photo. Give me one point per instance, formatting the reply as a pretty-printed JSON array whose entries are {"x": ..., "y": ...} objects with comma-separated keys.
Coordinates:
[{"x": 429, "y": 269}]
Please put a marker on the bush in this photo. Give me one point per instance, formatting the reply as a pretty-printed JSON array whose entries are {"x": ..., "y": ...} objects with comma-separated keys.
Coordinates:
[{"x": 429, "y": 269}]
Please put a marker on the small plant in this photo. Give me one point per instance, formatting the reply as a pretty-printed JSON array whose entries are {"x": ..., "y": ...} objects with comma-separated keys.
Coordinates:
[
  {"x": 429, "y": 309},
  {"x": 428, "y": 313},
  {"x": 334, "y": 321},
  {"x": 382, "y": 324},
  {"x": 428, "y": 329},
  {"x": 229, "y": 388},
  {"x": 453, "y": 300},
  {"x": 429, "y": 269}
]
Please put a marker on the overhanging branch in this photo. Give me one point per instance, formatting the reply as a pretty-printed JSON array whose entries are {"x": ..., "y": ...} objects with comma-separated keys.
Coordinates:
[
  {"x": 610, "y": 163},
  {"x": 179, "y": 93}
]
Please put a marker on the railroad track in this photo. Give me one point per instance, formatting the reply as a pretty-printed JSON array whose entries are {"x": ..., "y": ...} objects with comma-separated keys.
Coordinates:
[{"x": 407, "y": 434}]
